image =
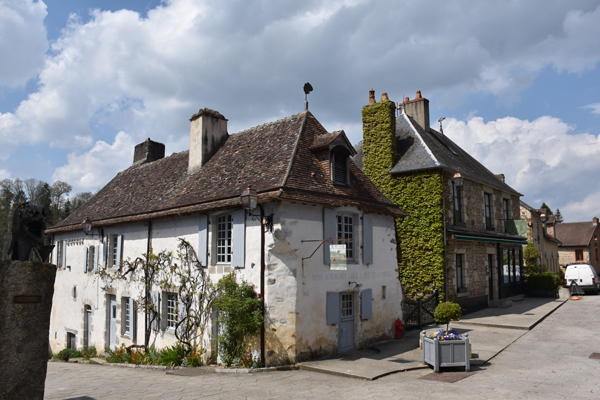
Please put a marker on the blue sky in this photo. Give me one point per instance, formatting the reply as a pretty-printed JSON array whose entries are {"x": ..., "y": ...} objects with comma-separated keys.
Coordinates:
[{"x": 83, "y": 81}]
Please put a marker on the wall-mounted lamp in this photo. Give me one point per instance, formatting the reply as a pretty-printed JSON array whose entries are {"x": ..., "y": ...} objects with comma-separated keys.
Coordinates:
[
  {"x": 87, "y": 227},
  {"x": 249, "y": 198},
  {"x": 543, "y": 217},
  {"x": 458, "y": 179},
  {"x": 356, "y": 284}
]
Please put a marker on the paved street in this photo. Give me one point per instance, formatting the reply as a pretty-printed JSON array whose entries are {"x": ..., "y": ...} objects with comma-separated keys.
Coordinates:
[{"x": 552, "y": 361}]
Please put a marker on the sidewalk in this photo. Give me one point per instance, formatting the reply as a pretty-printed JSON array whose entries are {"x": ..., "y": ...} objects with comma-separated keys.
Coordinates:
[{"x": 490, "y": 331}]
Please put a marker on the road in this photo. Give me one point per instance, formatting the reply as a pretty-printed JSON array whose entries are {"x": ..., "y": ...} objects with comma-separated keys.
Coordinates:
[{"x": 552, "y": 361}]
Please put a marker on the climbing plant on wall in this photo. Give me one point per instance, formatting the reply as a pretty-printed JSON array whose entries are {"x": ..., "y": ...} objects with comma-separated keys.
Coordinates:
[{"x": 420, "y": 235}]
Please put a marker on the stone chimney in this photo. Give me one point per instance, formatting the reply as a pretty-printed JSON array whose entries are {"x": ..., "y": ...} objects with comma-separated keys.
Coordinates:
[
  {"x": 148, "y": 151},
  {"x": 418, "y": 109},
  {"x": 595, "y": 221},
  {"x": 208, "y": 132}
]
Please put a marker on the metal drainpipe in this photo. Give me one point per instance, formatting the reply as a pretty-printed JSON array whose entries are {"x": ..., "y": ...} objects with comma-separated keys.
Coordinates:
[
  {"x": 147, "y": 294},
  {"x": 262, "y": 286},
  {"x": 444, "y": 233}
]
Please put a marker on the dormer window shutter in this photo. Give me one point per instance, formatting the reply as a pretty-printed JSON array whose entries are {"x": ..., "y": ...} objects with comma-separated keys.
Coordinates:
[{"x": 339, "y": 168}]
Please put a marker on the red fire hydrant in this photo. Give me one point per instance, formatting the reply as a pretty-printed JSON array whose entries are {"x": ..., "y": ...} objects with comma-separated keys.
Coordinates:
[{"x": 399, "y": 329}]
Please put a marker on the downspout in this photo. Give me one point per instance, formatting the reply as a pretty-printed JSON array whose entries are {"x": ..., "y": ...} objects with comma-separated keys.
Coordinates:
[
  {"x": 147, "y": 294},
  {"x": 444, "y": 233},
  {"x": 262, "y": 285}
]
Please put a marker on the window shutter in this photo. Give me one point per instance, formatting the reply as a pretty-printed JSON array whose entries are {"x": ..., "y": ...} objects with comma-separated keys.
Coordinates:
[
  {"x": 181, "y": 313},
  {"x": 155, "y": 311},
  {"x": 124, "y": 304},
  {"x": 238, "y": 238},
  {"x": 367, "y": 238},
  {"x": 132, "y": 320},
  {"x": 203, "y": 240},
  {"x": 329, "y": 232},
  {"x": 119, "y": 251},
  {"x": 104, "y": 255},
  {"x": 366, "y": 304},
  {"x": 85, "y": 259},
  {"x": 54, "y": 252},
  {"x": 64, "y": 253},
  {"x": 333, "y": 308},
  {"x": 96, "y": 250}
]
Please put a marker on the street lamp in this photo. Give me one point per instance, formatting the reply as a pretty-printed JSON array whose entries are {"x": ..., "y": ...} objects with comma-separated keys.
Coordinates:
[{"x": 458, "y": 179}]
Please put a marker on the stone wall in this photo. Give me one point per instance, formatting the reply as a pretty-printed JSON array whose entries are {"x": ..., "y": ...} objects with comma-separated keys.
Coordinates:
[{"x": 26, "y": 290}]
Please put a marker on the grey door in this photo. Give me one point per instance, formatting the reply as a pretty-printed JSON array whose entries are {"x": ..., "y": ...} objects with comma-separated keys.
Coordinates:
[
  {"x": 346, "y": 326},
  {"x": 87, "y": 327},
  {"x": 112, "y": 322}
]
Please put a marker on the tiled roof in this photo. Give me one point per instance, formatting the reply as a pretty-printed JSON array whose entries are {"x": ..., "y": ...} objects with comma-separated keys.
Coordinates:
[
  {"x": 420, "y": 149},
  {"x": 574, "y": 233},
  {"x": 274, "y": 158}
]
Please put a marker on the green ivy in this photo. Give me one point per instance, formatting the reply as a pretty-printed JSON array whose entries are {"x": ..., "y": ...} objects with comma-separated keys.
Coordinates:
[{"x": 420, "y": 235}]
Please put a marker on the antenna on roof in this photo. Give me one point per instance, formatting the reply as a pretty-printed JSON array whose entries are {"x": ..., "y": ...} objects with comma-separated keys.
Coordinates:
[
  {"x": 307, "y": 89},
  {"x": 440, "y": 121}
]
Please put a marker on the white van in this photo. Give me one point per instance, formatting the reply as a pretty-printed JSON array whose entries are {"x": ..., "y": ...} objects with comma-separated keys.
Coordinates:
[{"x": 584, "y": 275}]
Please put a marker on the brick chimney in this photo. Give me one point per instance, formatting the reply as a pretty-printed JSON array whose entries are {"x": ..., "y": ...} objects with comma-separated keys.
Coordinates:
[
  {"x": 208, "y": 132},
  {"x": 148, "y": 151},
  {"x": 418, "y": 109},
  {"x": 595, "y": 221}
]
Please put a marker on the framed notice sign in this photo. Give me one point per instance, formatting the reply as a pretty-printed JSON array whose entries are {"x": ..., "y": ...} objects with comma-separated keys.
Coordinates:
[{"x": 337, "y": 253}]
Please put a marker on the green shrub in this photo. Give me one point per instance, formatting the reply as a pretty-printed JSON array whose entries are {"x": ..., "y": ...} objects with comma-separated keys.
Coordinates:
[
  {"x": 118, "y": 355},
  {"x": 543, "y": 280},
  {"x": 240, "y": 316},
  {"x": 66, "y": 354},
  {"x": 172, "y": 356},
  {"x": 90, "y": 352},
  {"x": 446, "y": 312}
]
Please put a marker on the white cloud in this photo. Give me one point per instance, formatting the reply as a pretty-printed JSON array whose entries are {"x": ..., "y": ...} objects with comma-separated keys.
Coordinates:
[
  {"x": 23, "y": 41},
  {"x": 595, "y": 108},
  {"x": 4, "y": 174},
  {"x": 543, "y": 159},
  {"x": 94, "y": 168}
]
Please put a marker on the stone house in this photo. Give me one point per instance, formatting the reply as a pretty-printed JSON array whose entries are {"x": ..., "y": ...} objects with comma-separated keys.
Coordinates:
[
  {"x": 309, "y": 190},
  {"x": 461, "y": 236},
  {"x": 578, "y": 243},
  {"x": 537, "y": 233}
]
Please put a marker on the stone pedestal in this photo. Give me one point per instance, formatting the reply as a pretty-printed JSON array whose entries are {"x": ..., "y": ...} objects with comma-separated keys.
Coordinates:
[{"x": 26, "y": 290}]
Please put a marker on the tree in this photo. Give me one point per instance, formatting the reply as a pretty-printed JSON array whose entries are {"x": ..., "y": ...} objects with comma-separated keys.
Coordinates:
[
  {"x": 447, "y": 311},
  {"x": 546, "y": 208},
  {"x": 559, "y": 217}
]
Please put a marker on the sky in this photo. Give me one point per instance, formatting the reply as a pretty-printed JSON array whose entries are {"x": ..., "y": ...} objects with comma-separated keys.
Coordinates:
[{"x": 83, "y": 81}]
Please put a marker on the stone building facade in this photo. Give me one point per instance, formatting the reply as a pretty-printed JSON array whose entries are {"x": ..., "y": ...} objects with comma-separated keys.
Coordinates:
[
  {"x": 473, "y": 252},
  {"x": 578, "y": 243},
  {"x": 539, "y": 234}
]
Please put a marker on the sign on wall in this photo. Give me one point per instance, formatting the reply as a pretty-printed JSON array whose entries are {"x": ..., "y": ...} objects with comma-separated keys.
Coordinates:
[{"x": 337, "y": 253}]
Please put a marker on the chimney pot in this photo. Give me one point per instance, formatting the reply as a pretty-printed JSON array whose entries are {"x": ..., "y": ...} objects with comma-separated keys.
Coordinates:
[
  {"x": 595, "y": 220},
  {"x": 501, "y": 177},
  {"x": 371, "y": 97},
  {"x": 418, "y": 96},
  {"x": 384, "y": 97},
  {"x": 406, "y": 100}
]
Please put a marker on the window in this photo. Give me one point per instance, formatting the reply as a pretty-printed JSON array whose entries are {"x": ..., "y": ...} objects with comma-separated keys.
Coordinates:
[
  {"x": 91, "y": 259},
  {"x": 115, "y": 250},
  {"x": 224, "y": 227},
  {"x": 489, "y": 219},
  {"x": 339, "y": 167},
  {"x": 459, "y": 218},
  {"x": 459, "y": 273},
  {"x": 60, "y": 254},
  {"x": 345, "y": 230},
  {"x": 171, "y": 313},
  {"x": 126, "y": 315},
  {"x": 579, "y": 255},
  {"x": 506, "y": 213}
]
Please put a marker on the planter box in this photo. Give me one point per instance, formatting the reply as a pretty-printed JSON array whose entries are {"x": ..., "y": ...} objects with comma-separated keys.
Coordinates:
[{"x": 446, "y": 353}]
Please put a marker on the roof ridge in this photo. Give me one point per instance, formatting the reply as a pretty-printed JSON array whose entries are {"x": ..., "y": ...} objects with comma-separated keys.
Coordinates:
[
  {"x": 295, "y": 151},
  {"x": 279, "y": 121}
]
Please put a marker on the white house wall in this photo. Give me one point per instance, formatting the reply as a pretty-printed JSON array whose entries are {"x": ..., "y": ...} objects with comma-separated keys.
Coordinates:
[{"x": 295, "y": 291}]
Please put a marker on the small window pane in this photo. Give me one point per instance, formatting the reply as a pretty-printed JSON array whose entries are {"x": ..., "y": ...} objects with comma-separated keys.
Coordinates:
[{"x": 171, "y": 310}]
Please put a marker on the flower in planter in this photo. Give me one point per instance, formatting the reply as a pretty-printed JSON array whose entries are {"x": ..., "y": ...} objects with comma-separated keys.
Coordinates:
[{"x": 441, "y": 334}]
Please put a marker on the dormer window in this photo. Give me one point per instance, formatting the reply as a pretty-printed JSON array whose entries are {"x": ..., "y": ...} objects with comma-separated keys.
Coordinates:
[{"x": 340, "y": 167}]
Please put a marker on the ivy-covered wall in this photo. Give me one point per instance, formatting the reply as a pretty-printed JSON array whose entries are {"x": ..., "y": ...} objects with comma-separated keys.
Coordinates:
[{"x": 420, "y": 235}]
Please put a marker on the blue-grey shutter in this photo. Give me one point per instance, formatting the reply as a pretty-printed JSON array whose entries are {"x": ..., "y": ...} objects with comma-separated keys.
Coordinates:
[
  {"x": 64, "y": 253},
  {"x": 156, "y": 311},
  {"x": 329, "y": 232},
  {"x": 96, "y": 250},
  {"x": 181, "y": 313},
  {"x": 55, "y": 253},
  {"x": 203, "y": 240},
  {"x": 119, "y": 251},
  {"x": 333, "y": 308},
  {"x": 85, "y": 259},
  {"x": 366, "y": 304},
  {"x": 104, "y": 255},
  {"x": 132, "y": 320},
  {"x": 367, "y": 238},
  {"x": 238, "y": 238}
]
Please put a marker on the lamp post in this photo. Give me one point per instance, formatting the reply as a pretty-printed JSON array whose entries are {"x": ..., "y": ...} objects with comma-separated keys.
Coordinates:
[{"x": 249, "y": 198}]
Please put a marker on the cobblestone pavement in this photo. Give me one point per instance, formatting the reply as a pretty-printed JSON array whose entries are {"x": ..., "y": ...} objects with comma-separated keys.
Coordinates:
[{"x": 552, "y": 361}]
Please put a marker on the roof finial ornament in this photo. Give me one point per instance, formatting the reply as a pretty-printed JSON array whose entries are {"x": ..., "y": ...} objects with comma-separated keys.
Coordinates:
[
  {"x": 440, "y": 121},
  {"x": 307, "y": 89}
]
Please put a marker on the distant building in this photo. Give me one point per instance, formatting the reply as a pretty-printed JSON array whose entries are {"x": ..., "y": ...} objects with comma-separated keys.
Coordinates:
[
  {"x": 460, "y": 236},
  {"x": 537, "y": 233},
  {"x": 579, "y": 243}
]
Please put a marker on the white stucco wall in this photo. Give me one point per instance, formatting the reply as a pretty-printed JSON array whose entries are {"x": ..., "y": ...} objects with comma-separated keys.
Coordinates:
[{"x": 295, "y": 292}]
